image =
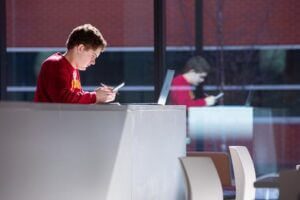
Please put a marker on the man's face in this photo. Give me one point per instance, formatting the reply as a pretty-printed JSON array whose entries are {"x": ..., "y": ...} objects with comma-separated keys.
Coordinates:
[
  {"x": 86, "y": 57},
  {"x": 195, "y": 78}
]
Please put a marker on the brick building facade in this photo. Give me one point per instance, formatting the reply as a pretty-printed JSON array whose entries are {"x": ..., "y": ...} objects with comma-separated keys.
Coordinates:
[{"x": 42, "y": 23}]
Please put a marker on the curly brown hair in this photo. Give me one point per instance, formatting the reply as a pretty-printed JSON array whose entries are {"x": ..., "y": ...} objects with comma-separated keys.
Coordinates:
[
  {"x": 87, "y": 35},
  {"x": 198, "y": 64}
]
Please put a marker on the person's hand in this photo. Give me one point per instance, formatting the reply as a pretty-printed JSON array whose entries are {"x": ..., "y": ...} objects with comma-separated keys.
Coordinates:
[
  {"x": 105, "y": 94},
  {"x": 210, "y": 100}
]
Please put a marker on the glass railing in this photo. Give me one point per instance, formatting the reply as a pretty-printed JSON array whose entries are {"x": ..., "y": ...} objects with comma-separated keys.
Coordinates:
[{"x": 272, "y": 136}]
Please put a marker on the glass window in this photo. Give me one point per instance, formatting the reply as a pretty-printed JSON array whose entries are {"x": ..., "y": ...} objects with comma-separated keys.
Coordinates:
[
  {"x": 37, "y": 29},
  {"x": 253, "y": 58}
]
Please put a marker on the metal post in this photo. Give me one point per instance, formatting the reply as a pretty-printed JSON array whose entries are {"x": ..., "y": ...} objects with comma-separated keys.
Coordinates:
[
  {"x": 3, "y": 50},
  {"x": 199, "y": 26},
  {"x": 159, "y": 44}
]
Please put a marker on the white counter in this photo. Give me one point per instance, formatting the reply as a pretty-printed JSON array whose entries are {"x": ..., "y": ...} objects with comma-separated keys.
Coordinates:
[{"x": 91, "y": 152}]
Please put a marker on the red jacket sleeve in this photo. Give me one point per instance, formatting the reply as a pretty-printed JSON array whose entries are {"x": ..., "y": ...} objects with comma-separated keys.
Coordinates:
[{"x": 181, "y": 94}]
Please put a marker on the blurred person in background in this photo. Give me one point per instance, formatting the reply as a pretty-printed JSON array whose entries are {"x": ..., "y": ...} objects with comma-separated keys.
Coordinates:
[
  {"x": 59, "y": 79},
  {"x": 194, "y": 73}
]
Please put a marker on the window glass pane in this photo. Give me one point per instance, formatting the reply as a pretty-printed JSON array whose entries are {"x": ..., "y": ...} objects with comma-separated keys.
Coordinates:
[
  {"x": 252, "y": 49},
  {"x": 253, "y": 56},
  {"x": 37, "y": 29}
]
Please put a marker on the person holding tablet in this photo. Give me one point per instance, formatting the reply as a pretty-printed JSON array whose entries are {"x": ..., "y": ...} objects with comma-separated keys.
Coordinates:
[
  {"x": 59, "y": 79},
  {"x": 194, "y": 73}
]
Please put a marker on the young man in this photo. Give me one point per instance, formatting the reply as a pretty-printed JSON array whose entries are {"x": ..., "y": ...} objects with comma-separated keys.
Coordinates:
[
  {"x": 59, "y": 80},
  {"x": 194, "y": 73}
]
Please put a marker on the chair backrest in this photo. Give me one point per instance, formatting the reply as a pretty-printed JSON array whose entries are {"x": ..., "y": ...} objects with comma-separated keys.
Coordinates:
[
  {"x": 289, "y": 185},
  {"x": 222, "y": 163},
  {"x": 244, "y": 172},
  {"x": 202, "y": 178}
]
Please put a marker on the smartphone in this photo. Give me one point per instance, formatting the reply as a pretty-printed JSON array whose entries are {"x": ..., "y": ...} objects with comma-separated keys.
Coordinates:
[
  {"x": 219, "y": 95},
  {"x": 118, "y": 87}
]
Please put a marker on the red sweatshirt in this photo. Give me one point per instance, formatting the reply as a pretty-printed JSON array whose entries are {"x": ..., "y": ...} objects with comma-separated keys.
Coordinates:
[
  {"x": 59, "y": 82},
  {"x": 181, "y": 93}
]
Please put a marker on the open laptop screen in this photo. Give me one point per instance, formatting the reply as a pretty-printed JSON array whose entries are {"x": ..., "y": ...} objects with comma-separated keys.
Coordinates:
[
  {"x": 166, "y": 87},
  {"x": 164, "y": 90}
]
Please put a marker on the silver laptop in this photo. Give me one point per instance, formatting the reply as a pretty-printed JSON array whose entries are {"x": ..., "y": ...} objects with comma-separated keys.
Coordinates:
[{"x": 162, "y": 100}]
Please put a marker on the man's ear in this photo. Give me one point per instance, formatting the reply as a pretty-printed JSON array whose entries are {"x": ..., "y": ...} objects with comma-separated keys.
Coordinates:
[{"x": 80, "y": 48}]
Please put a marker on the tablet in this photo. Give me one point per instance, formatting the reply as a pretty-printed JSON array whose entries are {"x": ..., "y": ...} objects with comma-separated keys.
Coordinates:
[
  {"x": 219, "y": 95},
  {"x": 118, "y": 87}
]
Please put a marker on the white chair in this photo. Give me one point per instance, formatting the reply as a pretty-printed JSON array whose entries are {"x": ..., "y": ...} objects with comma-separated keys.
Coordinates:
[
  {"x": 221, "y": 161},
  {"x": 244, "y": 172},
  {"x": 202, "y": 179}
]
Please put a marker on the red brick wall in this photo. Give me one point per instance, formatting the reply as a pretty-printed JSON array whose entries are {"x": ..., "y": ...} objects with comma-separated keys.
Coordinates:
[
  {"x": 42, "y": 23},
  {"x": 255, "y": 22}
]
